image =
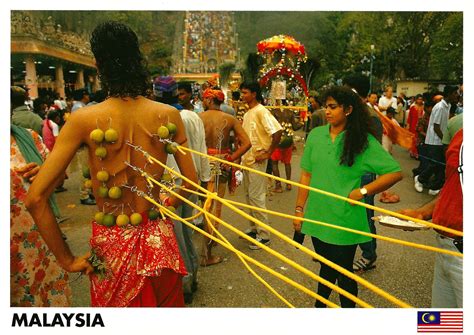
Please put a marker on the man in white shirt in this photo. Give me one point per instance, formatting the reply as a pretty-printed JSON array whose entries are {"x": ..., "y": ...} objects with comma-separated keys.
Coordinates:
[
  {"x": 434, "y": 146},
  {"x": 388, "y": 100},
  {"x": 264, "y": 132},
  {"x": 166, "y": 91}
]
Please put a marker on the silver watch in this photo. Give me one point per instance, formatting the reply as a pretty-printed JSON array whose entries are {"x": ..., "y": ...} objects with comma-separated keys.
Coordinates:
[{"x": 363, "y": 191}]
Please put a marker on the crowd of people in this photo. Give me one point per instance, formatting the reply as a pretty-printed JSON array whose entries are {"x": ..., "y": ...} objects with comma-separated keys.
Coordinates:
[
  {"x": 149, "y": 260},
  {"x": 210, "y": 41}
]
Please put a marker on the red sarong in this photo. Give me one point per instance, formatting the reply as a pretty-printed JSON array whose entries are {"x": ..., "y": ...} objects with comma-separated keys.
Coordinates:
[
  {"x": 163, "y": 291},
  {"x": 135, "y": 258},
  {"x": 215, "y": 152}
]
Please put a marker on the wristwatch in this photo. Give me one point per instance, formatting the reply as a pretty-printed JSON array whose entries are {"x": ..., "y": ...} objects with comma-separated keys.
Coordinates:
[{"x": 363, "y": 191}]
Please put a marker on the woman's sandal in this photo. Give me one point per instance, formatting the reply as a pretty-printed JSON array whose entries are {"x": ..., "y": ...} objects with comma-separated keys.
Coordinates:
[{"x": 363, "y": 265}]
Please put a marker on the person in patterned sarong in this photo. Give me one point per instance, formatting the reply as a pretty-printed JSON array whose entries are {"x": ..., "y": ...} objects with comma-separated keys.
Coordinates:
[
  {"x": 142, "y": 266},
  {"x": 218, "y": 126},
  {"x": 36, "y": 279}
]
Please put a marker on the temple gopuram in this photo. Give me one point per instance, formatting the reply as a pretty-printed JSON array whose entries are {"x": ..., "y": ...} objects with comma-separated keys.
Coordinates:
[{"x": 208, "y": 40}]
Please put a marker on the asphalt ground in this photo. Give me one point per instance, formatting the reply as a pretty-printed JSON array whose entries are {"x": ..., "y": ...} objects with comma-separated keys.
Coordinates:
[{"x": 405, "y": 272}]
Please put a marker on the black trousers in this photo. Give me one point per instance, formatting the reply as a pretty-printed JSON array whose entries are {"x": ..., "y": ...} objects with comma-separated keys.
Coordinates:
[
  {"x": 342, "y": 255},
  {"x": 434, "y": 168}
]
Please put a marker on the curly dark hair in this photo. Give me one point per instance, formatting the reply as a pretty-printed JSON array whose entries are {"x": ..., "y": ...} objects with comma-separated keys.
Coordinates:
[
  {"x": 358, "y": 122},
  {"x": 122, "y": 68}
]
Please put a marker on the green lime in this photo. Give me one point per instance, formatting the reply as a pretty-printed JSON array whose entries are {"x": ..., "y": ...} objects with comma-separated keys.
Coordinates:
[
  {"x": 99, "y": 217},
  {"x": 103, "y": 191},
  {"x": 171, "y": 148},
  {"x": 111, "y": 135},
  {"x": 122, "y": 220},
  {"x": 101, "y": 152},
  {"x": 109, "y": 220},
  {"x": 115, "y": 192},
  {"x": 102, "y": 176},
  {"x": 136, "y": 219},
  {"x": 97, "y": 135},
  {"x": 171, "y": 128},
  {"x": 163, "y": 132},
  {"x": 153, "y": 214}
]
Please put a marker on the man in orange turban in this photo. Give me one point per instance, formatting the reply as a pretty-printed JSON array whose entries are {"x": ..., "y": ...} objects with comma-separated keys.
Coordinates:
[{"x": 214, "y": 94}]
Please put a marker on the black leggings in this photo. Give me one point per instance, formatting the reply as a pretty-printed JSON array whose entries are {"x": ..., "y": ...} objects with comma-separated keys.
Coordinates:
[{"x": 342, "y": 255}]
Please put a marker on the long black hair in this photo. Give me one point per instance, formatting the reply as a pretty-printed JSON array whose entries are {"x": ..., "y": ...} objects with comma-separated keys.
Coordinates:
[
  {"x": 122, "y": 68},
  {"x": 358, "y": 122}
]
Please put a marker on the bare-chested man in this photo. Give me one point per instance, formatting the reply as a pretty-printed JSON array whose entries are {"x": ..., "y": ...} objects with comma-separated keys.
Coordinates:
[
  {"x": 218, "y": 126},
  {"x": 143, "y": 266}
]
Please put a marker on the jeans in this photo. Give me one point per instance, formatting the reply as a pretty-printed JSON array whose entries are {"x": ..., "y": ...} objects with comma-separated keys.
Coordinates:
[
  {"x": 342, "y": 255},
  {"x": 422, "y": 154},
  {"x": 435, "y": 167},
  {"x": 368, "y": 248},
  {"x": 186, "y": 247},
  {"x": 447, "y": 281}
]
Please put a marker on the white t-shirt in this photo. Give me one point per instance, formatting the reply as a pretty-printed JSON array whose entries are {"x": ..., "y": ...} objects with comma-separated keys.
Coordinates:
[
  {"x": 260, "y": 125},
  {"x": 439, "y": 115},
  {"x": 196, "y": 136},
  {"x": 386, "y": 102}
]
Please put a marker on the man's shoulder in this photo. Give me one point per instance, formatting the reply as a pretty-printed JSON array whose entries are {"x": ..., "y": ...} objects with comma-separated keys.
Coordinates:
[{"x": 259, "y": 109}]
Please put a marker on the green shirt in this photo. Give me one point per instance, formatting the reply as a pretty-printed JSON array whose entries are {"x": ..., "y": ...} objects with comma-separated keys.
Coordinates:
[
  {"x": 321, "y": 158},
  {"x": 454, "y": 124}
]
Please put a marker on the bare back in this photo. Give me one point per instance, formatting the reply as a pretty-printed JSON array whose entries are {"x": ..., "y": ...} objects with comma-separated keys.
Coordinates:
[
  {"x": 136, "y": 121},
  {"x": 217, "y": 125}
]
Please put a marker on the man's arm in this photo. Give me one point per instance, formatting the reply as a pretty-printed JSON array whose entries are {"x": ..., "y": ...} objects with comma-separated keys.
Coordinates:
[
  {"x": 438, "y": 131},
  {"x": 276, "y": 137},
  {"x": 425, "y": 212},
  {"x": 44, "y": 184},
  {"x": 243, "y": 140}
]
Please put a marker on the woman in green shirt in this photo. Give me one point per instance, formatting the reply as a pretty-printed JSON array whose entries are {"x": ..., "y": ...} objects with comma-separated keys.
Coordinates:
[{"x": 335, "y": 158}]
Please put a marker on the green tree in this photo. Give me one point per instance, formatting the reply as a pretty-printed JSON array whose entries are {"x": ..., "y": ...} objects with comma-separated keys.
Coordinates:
[{"x": 446, "y": 56}]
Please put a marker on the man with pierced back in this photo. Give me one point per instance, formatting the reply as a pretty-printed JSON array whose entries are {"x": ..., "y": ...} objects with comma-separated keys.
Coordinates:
[
  {"x": 218, "y": 126},
  {"x": 143, "y": 267}
]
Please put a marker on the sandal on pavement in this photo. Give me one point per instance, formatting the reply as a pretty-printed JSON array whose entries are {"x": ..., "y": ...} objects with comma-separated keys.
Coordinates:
[{"x": 363, "y": 265}]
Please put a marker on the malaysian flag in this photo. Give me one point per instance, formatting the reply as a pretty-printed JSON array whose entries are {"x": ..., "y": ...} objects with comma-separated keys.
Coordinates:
[{"x": 440, "y": 322}]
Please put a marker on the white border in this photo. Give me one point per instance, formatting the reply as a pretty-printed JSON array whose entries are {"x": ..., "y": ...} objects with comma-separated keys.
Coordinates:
[{"x": 238, "y": 321}]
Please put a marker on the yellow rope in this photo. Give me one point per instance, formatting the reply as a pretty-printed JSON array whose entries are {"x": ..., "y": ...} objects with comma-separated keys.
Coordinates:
[
  {"x": 381, "y": 237},
  {"x": 206, "y": 206},
  {"x": 276, "y": 254},
  {"x": 240, "y": 253},
  {"x": 355, "y": 202},
  {"x": 303, "y": 108},
  {"x": 259, "y": 278},
  {"x": 280, "y": 256}
]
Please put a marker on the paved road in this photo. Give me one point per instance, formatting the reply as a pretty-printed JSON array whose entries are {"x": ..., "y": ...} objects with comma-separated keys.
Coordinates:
[{"x": 403, "y": 271}]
